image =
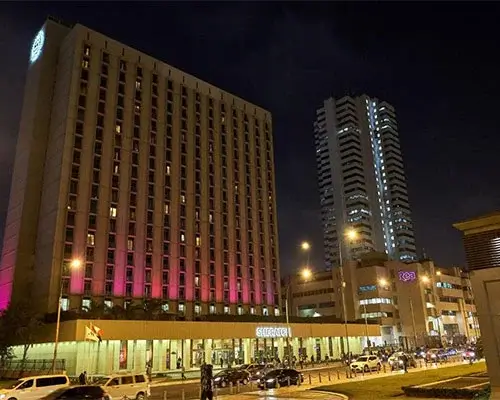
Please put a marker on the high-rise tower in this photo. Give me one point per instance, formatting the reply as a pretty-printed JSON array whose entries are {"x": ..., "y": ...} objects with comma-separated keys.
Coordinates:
[
  {"x": 361, "y": 179},
  {"x": 160, "y": 185}
]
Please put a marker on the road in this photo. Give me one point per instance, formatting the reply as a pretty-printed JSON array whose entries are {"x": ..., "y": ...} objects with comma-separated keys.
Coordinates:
[{"x": 190, "y": 390}]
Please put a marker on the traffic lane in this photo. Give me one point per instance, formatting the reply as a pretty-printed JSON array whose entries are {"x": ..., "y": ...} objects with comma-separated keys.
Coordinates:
[{"x": 192, "y": 391}]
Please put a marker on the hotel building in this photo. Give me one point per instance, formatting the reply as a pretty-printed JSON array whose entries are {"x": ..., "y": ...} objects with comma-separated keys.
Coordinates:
[
  {"x": 412, "y": 302},
  {"x": 361, "y": 180},
  {"x": 148, "y": 181}
]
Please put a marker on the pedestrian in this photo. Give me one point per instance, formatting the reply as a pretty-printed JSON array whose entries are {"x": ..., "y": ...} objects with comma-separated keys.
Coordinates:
[
  {"x": 207, "y": 388},
  {"x": 183, "y": 373},
  {"x": 404, "y": 358},
  {"x": 221, "y": 362},
  {"x": 82, "y": 379}
]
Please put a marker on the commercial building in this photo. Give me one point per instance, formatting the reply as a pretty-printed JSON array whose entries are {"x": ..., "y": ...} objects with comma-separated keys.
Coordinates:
[
  {"x": 481, "y": 236},
  {"x": 148, "y": 181},
  {"x": 362, "y": 184},
  {"x": 130, "y": 345},
  {"x": 412, "y": 302}
]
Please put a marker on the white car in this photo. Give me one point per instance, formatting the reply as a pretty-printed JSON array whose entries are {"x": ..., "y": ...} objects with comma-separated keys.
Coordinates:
[
  {"x": 366, "y": 364},
  {"x": 133, "y": 386},
  {"x": 34, "y": 387}
]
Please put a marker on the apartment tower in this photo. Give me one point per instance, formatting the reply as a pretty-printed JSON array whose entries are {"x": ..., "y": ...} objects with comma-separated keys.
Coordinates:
[
  {"x": 361, "y": 180},
  {"x": 134, "y": 180}
]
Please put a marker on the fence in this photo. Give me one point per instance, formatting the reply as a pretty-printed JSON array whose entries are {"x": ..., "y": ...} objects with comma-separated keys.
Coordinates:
[{"x": 15, "y": 369}]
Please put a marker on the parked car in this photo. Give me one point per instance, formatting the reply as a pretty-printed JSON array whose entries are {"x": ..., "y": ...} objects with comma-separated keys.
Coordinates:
[
  {"x": 34, "y": 387},
  {"x": 231, "y": 376},
  {"x": 134, "y": 386},
  {"x": 366, "y": 364},
  {"x": 434, "y": 355},
  {"x": 90, "y": 392},
  {"x": 256, "y": 371},
  {"x": 281, "y": 377},
  {"x": 396, "y": 361},
  {"x": 469, "y": 354}
]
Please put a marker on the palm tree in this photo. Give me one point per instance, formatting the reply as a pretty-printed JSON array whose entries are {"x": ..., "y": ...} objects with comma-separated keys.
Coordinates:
[
  {"x": 153, "y": 308},
  {"x": 95, "y": 310},
  {"x": 117, "y": 312}
]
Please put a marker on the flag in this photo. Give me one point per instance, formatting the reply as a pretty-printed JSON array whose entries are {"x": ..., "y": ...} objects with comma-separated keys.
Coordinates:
[{"x": 93, "y": 333}]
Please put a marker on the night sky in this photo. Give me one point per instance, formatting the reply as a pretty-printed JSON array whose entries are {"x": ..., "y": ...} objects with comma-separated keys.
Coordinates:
[{"x": 437, "y": 63}]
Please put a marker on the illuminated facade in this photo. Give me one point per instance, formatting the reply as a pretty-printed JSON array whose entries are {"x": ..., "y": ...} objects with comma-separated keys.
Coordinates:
[
  {"x": 361, "y": 179},
  {"x": 410, "y": 301},
  {"x": 129, "y": 345},
  {"x": 160, "y": 184}
]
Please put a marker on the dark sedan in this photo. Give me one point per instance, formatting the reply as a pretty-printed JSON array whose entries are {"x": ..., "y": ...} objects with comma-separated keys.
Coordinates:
[
  {"x": 231, "y": 376},
  {"x": 78, "y": 393},
  {"x": 281, "y": 377}
]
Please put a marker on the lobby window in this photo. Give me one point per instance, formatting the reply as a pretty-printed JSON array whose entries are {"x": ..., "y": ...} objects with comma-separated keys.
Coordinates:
[
  {"x": 276, "y": 311},
  {"x": 240, "y": 310},
  {"x": 226, "y": 309},
  {"x": 86, "y": 304},
  {"x": 197, "y": 309},
  {"x": 252, "y": 310},
  {"x": 65, "y": 304},
  {"x": 181, "y": 308},
  {"x": 212, "y": 309},
  {"x": 265, "y": 311}
]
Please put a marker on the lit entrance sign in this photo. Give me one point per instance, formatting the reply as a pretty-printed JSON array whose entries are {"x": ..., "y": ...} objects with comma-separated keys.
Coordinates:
[
  {"x": 272, "y": 332},
  {"x": 407, "y": 276}
]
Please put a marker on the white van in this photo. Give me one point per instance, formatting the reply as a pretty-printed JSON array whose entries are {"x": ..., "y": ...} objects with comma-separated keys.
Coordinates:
[
  {"x": 131, "y": 385},
  {"x": 34, "y": 387}
]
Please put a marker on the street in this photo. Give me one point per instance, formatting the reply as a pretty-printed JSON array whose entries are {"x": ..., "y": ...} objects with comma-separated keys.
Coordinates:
[{"x": 314, "y": 378}]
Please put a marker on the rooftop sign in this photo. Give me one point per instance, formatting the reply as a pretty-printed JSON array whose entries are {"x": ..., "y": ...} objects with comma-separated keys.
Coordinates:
[
  {"x": 272, "y": 332},
  {"x": 407, "y": 276}
]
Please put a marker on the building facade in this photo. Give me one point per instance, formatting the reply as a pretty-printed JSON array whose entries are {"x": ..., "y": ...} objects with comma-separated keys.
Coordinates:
[
  {"x": 362, "y": 184},
  {"x": 412, "y": 302},
  {"x": 166, "y": 346},
  {"x": 135, "y": 180}
]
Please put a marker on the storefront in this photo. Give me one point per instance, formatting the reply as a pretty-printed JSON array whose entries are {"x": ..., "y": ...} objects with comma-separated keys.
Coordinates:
[{"x": 168, "y": 345}]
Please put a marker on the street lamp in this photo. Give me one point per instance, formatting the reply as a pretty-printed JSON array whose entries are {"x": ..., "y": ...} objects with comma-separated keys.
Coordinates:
[
  {"x": 74, "y": 264},
  {"x": 306, "y": 274},
  {"x": 306, "y": 247},
  {"x": 351, "y": 234}
]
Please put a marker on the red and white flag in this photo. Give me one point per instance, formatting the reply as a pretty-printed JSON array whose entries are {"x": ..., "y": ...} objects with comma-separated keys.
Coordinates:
[{"x": 93, "y": 333}]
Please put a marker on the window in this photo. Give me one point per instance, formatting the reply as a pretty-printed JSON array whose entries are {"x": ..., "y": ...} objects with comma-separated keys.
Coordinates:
[
  {"x": 112, "y": 212},
  {"x": 90, "y": 239}
]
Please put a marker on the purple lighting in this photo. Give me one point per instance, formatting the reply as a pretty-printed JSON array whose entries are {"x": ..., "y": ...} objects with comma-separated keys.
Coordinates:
[{"x": 407, "y": 276}]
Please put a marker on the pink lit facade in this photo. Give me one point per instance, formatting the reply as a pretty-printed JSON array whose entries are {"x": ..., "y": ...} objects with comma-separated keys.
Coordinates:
[{"x": 159, "y": 183}]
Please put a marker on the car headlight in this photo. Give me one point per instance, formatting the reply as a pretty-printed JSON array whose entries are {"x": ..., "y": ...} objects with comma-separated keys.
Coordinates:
[
  {"x": 3, "y": 396},
  {"x": 401, "y": 362},
  {"x": 433, "y": 356},
  {"x": 472, "y": 354},
  {"x": 217, "y": 379},
  {"x": 271, "y": 380},
  {"x": 391, "y": 362}
]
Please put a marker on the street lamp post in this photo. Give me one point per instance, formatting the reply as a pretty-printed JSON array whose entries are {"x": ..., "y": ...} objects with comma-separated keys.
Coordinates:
[
  {"x": 351, "y": 233},
  {"x": 74, "y": 264},
  {"x": 306, "y": 274},
  {"x": 366, "y": 326}
]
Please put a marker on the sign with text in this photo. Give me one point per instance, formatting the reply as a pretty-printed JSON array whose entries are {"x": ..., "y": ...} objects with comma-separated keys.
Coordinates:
[
  {"x": 272, "y": 332},
  {"x": 407, "y": 276}
]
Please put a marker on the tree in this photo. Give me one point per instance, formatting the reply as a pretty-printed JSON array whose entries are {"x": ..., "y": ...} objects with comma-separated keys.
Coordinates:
[{"x": 19, "y": 324}]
